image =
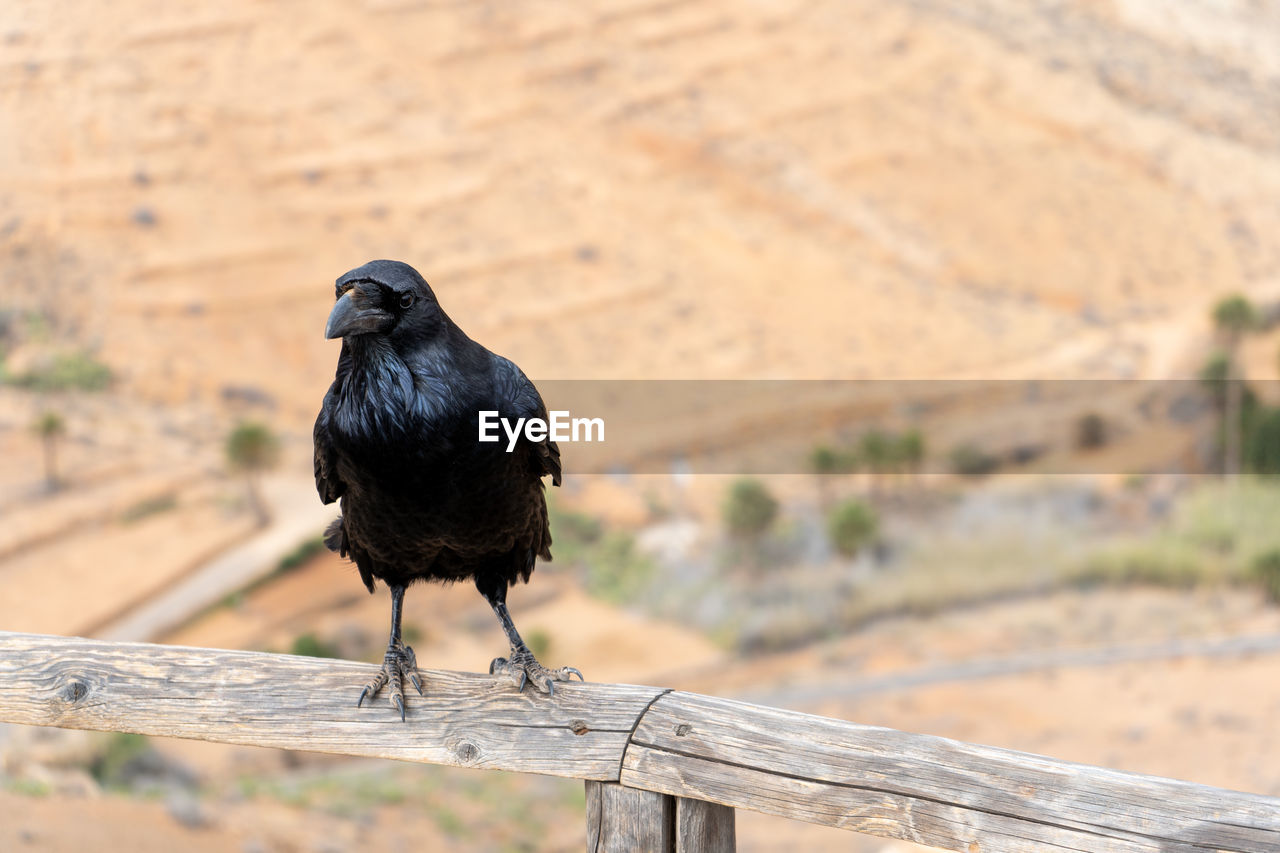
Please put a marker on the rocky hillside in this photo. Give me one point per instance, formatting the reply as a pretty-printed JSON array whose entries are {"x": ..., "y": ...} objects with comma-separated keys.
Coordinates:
[{"x": 640, "y": 189}]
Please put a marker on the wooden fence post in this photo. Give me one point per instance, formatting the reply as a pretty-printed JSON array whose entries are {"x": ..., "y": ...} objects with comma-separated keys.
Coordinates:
[
  {"x": 622, "y": 820},
  {"x": 703, "y": 827}
]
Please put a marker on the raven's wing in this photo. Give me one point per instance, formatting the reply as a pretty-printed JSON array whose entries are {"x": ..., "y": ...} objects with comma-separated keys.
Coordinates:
[
  {"x": 328, "y": 483},
  {"x": 525, "y": 402}
]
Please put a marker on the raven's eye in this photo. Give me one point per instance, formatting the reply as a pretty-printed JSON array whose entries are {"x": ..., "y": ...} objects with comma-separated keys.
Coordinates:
[{"x": 406, "y": 301}]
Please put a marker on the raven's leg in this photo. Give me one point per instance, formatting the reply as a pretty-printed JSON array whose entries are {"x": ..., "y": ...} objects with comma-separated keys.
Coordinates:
[
  {"x": 522, "y": 667},
  {"x": 398, "y": 664}
]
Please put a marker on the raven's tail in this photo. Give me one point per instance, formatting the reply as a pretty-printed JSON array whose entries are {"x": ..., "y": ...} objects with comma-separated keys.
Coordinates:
[{"x": 335, "y": 537}]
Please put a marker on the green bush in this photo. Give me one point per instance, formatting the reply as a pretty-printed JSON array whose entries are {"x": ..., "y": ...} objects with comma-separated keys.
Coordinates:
[
  {"x": 148, "y": 507},
  {"x": 252, "y": 447},
  {"x": 309, "y": 645},
  {"x": 910, "y": 449},
  {"x": 616, "y": 571},
  {"x": 300, "y": 555},
  {"x": 539, "y": 642},
  {"x": 28, "y": 787},
  {"x": 1262, "y": 441},
  {"x": 969, "y": 460},
  {"x": 1266, "y": 568},
  {"x": 1147, "y": 565},
  {"x": 1234, "y": 315},
  {"x": 121, "y": 751},
  {"x": 575, "y": 527},
  {"x": 749, "y": 509},
  {"x": 76, "y": 371},
  {"x": 1091, "y": 432},
  {"x": 851, "y": 526},
  {"x": 878, "y": 450},
  {"x": 824, "y": 460}
]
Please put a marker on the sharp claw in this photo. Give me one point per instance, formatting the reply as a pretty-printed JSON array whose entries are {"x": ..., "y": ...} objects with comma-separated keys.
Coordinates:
[
  {"x": 417, "y": 684},
  {"x": 569, "y": 670},
  {"x": 399, "y": 703},
  {"x": 524, "y": 679},
  {"x": 551, "y": 688},
  {"x": 363, "y": 694}
]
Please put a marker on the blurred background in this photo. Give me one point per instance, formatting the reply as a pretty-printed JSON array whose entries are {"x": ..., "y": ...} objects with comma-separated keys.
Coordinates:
[{"x": 983, "y": 194}]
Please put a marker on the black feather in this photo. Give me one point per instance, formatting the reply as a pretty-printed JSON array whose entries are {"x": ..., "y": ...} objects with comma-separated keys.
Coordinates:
[{"x": 396, "y": 443}]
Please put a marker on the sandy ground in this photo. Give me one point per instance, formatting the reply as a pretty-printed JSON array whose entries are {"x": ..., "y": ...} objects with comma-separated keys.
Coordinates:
[
  {"x": 636, "y": 190},
  {"x": 456, "y": 626}
]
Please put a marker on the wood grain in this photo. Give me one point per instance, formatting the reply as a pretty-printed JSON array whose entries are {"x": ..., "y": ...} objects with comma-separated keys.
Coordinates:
[
  {"x": 929, "y": 790},
  {"x": 305, "y": 703},
  {"x": 625, "y": 820},
  {"x": 703, "y": 827},
  {"x": 657, "y": 744}
]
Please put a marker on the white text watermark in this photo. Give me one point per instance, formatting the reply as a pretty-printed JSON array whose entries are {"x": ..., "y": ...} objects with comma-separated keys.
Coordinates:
[{"x": 560, "y": 427}]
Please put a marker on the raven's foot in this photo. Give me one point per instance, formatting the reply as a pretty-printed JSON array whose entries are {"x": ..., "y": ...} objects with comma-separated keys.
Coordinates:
[
  {"x": 398, "y": 664},
  {"x": 523, "y": 668}
]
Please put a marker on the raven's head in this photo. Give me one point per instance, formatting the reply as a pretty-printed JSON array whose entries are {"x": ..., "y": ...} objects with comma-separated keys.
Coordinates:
[{"x": 386, "y": 298}]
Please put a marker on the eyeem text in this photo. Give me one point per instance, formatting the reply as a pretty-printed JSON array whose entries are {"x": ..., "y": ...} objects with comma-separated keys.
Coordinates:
[{"x": 561, "y": 427}]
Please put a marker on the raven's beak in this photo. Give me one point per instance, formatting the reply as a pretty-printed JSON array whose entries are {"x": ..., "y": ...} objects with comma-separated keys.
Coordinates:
[{"x": 348, "y": 318}]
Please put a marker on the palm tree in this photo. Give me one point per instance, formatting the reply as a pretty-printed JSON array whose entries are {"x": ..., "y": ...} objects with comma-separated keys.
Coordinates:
[
  {"x": 51, "y": 428},
  {"x": 1233, "y": 318},
  {"x": 877, "y": 451},
  {"x": 251, "y": 449},
  {"x": 911, "y": 451},
  {"x": 824, "y": 463}
]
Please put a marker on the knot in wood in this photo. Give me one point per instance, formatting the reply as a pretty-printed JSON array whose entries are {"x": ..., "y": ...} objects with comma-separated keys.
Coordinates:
[
  {"x": 466, "y": 751},
  {"x": 683, "y": 729},
  {"x": 74, "y": 691},
  {"x": 579, "y": 727}
]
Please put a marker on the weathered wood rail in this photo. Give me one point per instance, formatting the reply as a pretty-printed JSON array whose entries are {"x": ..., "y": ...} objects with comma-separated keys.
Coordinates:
[{"x": 664, "y": 769}]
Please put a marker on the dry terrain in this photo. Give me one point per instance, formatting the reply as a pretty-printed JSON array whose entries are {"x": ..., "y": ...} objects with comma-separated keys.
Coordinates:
[{"x": 629, "y": 189}]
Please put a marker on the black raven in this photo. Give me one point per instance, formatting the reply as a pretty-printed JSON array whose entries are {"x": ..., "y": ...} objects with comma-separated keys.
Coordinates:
[{"x": 422, "y": 498}]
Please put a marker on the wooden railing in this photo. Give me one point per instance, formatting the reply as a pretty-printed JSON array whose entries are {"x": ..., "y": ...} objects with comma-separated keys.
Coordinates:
[{"x": 664, "y": 769}]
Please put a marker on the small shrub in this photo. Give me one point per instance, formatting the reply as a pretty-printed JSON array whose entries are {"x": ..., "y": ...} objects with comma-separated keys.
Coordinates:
[
  {"x": 1234, "y": 315},
  {"x": 750, "y": 509},
  {"x": 1141, "y": 565},
  {"x": 616, "y": 571},
  {"x": 309, "y": 645},
  {"x": 75, "y": 371},
  {"x": 969, "y": 460},
  {"x": 1266, "y": 568},
  {"x": 1262, "y": 441},
  {"x": 823, "y": 460},
  {"x": 252, "y": 447},
  {"x": 148, "y": 507},
  {"x": 878, "y": 450},
  {"x": 851, "y": 526},
  {"x": 300, "y": 555},
  {"x": 121, "y": 752},
  {"x": 910, "y": 449},
  {"x": 539, "y": 642},
  {"x": 51, "y": 428},
  {"x": 28, "y": 787},
  {"x": 1091, "y": 432},
  {"x": 575, "y": 527}
]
